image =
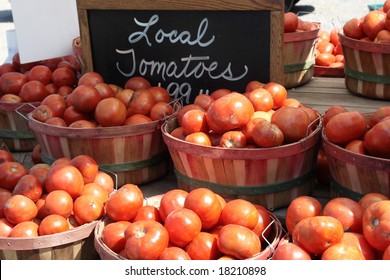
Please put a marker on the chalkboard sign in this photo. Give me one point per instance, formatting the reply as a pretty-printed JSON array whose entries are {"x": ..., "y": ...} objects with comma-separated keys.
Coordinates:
[{"x": 187, "y": 51}]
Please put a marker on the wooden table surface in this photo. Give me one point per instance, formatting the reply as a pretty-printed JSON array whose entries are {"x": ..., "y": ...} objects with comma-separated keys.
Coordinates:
[{"x": 320, "y": 93}]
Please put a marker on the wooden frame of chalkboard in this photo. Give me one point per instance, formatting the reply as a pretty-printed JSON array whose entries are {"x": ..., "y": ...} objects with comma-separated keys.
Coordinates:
[{"x": 188, "y": 47}]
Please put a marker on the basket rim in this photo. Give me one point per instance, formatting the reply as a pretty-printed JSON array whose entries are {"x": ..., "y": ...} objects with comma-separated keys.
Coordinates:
[
  {"x": 362, "y": 45},
  {"x": 302, "y": 35}
]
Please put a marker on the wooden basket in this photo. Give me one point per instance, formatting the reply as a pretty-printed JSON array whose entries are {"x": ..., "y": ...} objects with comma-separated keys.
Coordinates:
[
  {"x": 367, "y": 71},
  {"x": 137, "y": 154},
  {"x": 269, "y": 245},
  {"x": 74, "y": 244},
  {"x": 353, "y": 175},
  {"x": 271, "y": 177},
  {"x": 298, "y": 56},
  {"x": 14, "y": 130}
]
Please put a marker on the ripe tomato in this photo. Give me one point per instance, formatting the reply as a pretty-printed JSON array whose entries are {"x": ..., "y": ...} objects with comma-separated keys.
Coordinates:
[
  {"x": 87, "y": 166},
  {"x": 85, "y": 98},
  {"x": 325, "y": 47},
  {"x": 87, "y": 208},
  {"x": 261, "y": 99},
  {"x": 293, "y": 122},
  {"x": 56, "y": 103},
  {"x": 136, "y": 83},
  {"x": 300, "y": 208},
  {"x": 141, "y": 102},
  {"x": 353, "y": 28},
  {"x": 383, "y": 36},
  {"x": 59, "y": 202},
  {"x": 347, "y": 211},
  {"x": 370, "y": 198},
  {"x": 12, "y": 82},
  {"x": 7, "y": 67},
  {"x": 19, "y": 208},
  {"x": 40, "y": 73},
  {"x": 204, "y": 101},
  {"x": 124, "y": 95},
  {"x": 266, "y": 134},
  {"x": 174, "y": 253},
  {"x": 40, "y": 204},
  {"x": 24, "y": 229},
  {"x": 113, "y": 235},
  {"x": 137, "y": 119},
  {"x": 71, "y": 115},
  {"x": 4, "y": 195},
  {"x": 318, "y": 233},
  {"x": 278, "y": 93},
  {"x": 6, "y": 156},
  {"x": 345, "y": 127},
  {"x": 342, "y": 251},
  {"x": 161, "y": 110},
  {"x": 160, "y": 94},
  {"x": 10, "y": 173},
  {"x": 356, "y": 146},
  {"x": 332, "y": 111},
  {"x": 203, "y": 247},
  {"x": 42, "y": 113},
  {"x": 199, "y": 138},
  {"x": 10, "y": 98},
  {"x": 206, "y": 205},
  {"x": 185, "y": 109},
  {"x": 377, "y": 139},
  {"x": 194, "y": 121},
  {"x": 96, "y": 190},
  {"x": 325, "y": 59},
  {"x": 291, "y": 102},
  {"x": 53, "y": 224},
  {"x": 33, "y": 91},
  {"x": 238, "y": 241},
  {"x": 5, "y": 227},
  {"x": 290, "y": 251},
  {"x": 146, "y": 240},
  {"x": 376, "y": 224},
  {"x": 64, "y": 77},
  {"x": 30, "y": 186},
  {"x": 65, "y": 177},
  {"x": 172, "y": 200},
  {"x": 124, "y": 204},
  {"x": 220, "y": 92},
  {"x": 182, "y": 225},
  {"x": 105, "y": 180},
  {"x": 290, "y": 22},
  {"x": 148, "y": 212},
  {"x": 110, "y": 112},
  {"x": 374, "y": 22},
  {"x": 82, "y": 124},
  {"x": 90, "y": 79},
  {"x": 105, "y": 90},
  {"x": 262, "y": 228},
  {"x": 229, "y": 112},
  {"x": 378, "y": 115},
  {"x": 239, "y": 212},
  {"x": 358, "y": 240},
  {"x": 233, "y": 139}
]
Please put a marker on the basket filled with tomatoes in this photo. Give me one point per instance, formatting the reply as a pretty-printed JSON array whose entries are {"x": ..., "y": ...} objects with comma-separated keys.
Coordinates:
[
  {"x": 181, "y": 225},
  {"x": 22, "y": 85},
  {"x": 260, "y": 145},
  {"x": 299, "y": 43},
  {"x": 366, "y": 47},
  {"x": 118, "y": 127},
  {"x": 49, "y": 212},
  {"x": 357, "y": 150}
]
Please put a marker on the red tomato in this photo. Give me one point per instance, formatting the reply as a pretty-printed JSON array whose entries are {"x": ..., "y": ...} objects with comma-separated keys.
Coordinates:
[
  {"x": 71, "y": 115},
  {"x": 141, "y": 102},
  {"x": 137, "y": 119},
  {"x": 161, "y": 110},
  {"x": 300, "y": 208},
  {"x": 263, "y": 228},
  {"x": 347, "y": 211},
  {"x": 377, "y": 139},
  {"x": 6, "y": 156},
  {"x": 326, "y": 47},
  {"x": 378, "y": 115},
  {"x": 65, "y": 177},
  {"x": 356, "y": 146},
  {"x": 370, "y": 198},
  {"x": 19, "y": 208},
  {"x": 229, "y": 112},
  {"x": 374, "y": 22},
  {"x": 194, "y": 121},
  {"x": 124, "y": 204},
  {"x": 85, "y": 98},
  {"x": 82, "y": 124},
  {"x": 146, "y": 240},
  {"x": 105, "y": 180},
  {"x": 24, "y": 229},
  {"x": 358, "y": 240},
  {"x": 53, "y": 224},
  {"x": 97, "y": 191},
  {"x": 87, "y": 208},
  {"x": 30, "y": 186},
  {"x": 33, "y": 91},
  {"x": 220, "y": 92},
  {"x": 7, "y": 67},
  {"x": 110, "y": 112},
  {"x": 40, "y": 73},
  {"x": 342, "y": 251},
  {"x": 10, "y": 173},
  {"x": 238, "y": 241},
  {"x": 178, "y": 133},
  {"x": 240, "y": 212},
  {"x": 172, "y": 200},
  {"x": 105, "y": 90},
  {"x": 332, "y": 111},
  {"x": 266, "y": 134},
  {"x": 56, "y": 103},
  {"x": 59, "y": 202},
  {"x": 278, "y": 93},
  {"x": 185, "y": 109},
  {"x": 325, "y": 59},
  {"x": 124, "y": 95},
  {"x": 203, "y": 247},
  {"x": 204, "y": 100},
  {"x": 290, "y": 251},
  {"x": 90, "y": 79},
  {"x": 42, "y": 113},
  {"x": 5, "y": 227},
  {"x": 87, "y": 166},
  {"x": 206, "y": 205},
  {"x": 233, "y": 139},
  {"x": 383, "y": 37},
  {"x": 345, "y": 127},
  {"x": 11, "y": 98},
  {"x": 353, "y": 28},
  {"x": 113, "y": 235},
  {"x": 293, "y": 122},
  {"x": 160, "y": 94},
  {"x": 290, "y": 22},
  {"x": 182, "y": 225},
  {"x": 148, "y": 212},
  {"x": 40, "y": 204},
  {"x": 261, "y": 99},
  {"x": 199, "y": 138},
  {"x": 12, "y": 82},
  {"x": 174, "y": 253},
  {"x": 64, "y": 77},
  {"x": 318, "y": 233},
  {"x": 4, "y": 195},
  {"x": 136, "y": 83},
  {"x": 376, "y": 224}
]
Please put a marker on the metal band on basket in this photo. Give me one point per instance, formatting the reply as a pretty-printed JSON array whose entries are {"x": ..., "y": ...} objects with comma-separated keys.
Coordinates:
[
  {"x": 343, "y": 191},
  {"x": 12, "y": 134}
]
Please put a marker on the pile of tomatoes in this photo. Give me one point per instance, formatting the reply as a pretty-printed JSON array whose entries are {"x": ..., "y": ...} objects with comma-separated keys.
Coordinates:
[
  {"x": 342, "y": 229},
  {"x": 198, "y": 225},
  {"x": 363, "y": 134},
  {"x": 48, "y": 199},
  {"x": 262, "y": 117},
  {"x": 328, "y": 51},
  {"x": 373, "y": 27}
]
